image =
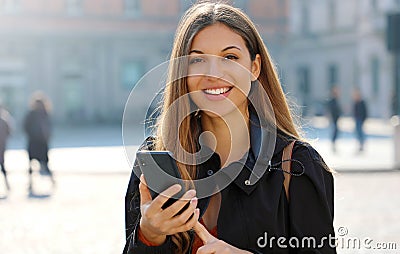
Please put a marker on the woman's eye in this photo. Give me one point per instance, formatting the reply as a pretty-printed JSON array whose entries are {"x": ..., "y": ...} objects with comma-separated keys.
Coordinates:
[
  {"x": 231, "y": 57},
  {"x": 196, "y": 60}
]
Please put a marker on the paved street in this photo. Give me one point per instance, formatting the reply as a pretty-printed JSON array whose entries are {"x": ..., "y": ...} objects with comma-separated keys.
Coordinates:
[
  {"x": 84, "y": 214},
  {"x": 367, "y": 205}
]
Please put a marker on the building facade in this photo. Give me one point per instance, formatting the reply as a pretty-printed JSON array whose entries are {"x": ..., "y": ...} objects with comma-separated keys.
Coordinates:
[
  {"x": 86, "y": 55},
  {"x": 340, "y": 43}
]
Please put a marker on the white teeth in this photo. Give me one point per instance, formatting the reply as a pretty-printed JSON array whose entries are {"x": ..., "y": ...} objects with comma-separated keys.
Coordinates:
[{"x": 217, "y": 91}]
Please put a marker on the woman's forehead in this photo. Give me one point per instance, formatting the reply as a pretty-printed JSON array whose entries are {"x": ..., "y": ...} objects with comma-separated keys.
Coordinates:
[{"x": 217, "y": 36}]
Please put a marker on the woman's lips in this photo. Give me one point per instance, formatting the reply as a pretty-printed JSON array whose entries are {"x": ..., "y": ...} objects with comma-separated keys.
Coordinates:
[{"x": 216, "y": 94}]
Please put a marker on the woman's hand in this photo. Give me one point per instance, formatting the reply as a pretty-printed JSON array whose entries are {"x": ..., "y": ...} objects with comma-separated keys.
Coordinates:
[
  {"x": 156, "y": 223},
  {"x": 213, "y": 245}
]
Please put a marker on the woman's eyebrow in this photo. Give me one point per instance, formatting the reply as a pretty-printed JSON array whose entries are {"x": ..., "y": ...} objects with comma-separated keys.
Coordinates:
[
  {"x": 225, "y": 49},
  {"x": 195, "y": 51},
  {"x": 230, "y": 47}
]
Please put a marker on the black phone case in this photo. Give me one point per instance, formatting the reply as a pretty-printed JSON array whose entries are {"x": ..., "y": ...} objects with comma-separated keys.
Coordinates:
[{"x": 153, "y": 164}]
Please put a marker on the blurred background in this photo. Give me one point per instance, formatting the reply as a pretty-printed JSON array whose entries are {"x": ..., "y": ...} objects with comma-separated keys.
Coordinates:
[{"x": 87, "y": 56}]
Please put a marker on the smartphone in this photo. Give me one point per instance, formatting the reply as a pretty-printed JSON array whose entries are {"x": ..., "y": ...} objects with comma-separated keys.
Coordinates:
[{"x": 161, "y": 172}]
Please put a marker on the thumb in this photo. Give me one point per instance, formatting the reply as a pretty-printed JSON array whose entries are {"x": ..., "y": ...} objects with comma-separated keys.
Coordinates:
[
  {"x": 203, "y": 233},
  {"x": 145, "y": 196}
]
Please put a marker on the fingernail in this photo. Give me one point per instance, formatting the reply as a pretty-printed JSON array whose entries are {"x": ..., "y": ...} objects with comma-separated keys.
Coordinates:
[
  {"x": 191, "y": 193},
  {"x": 193, "y": 200},
  {"x": 177, "y": 187}
]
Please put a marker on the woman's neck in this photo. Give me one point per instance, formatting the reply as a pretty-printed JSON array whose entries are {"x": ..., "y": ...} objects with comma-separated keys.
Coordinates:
[{"x": 231, "y": 133}]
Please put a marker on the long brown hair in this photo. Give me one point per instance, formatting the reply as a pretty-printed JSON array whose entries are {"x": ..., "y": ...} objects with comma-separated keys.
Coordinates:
[{"x": 169, "y": 135}]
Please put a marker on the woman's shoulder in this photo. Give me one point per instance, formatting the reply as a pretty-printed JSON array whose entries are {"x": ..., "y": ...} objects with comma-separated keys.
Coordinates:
[
  {"x": 306, "y": 151},
  {"x": 305, "y": 157},
  {"x": 301, "y": 147},
  {"x": 312, "y": 164}
]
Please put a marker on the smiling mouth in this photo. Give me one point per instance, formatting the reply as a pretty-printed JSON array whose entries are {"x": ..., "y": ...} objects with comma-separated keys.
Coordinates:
[{"x": 217, "y": 91}]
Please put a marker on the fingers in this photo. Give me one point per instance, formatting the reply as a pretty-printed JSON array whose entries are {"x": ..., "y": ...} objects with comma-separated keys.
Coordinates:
[
  {"x": 203, "y": 233},
  {"x": 189, "y": 224},
  {"x": 159, "y": 201},
  {"x": 145, "y": 196},
  {"x": 183, "y": 218},
  {"x": 207, "y": 249},
  {"x": 221, "y": 247},
  {"x": 172, "y": 210}
]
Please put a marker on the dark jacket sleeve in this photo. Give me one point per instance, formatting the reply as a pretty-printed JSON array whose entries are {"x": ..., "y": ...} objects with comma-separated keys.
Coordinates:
[
  {"x": 311, "y": 203},
  {"x": 132, "y": 218}
]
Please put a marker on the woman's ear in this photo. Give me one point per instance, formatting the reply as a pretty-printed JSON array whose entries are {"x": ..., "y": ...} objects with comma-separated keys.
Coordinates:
[{"x": 256, "y": 67}]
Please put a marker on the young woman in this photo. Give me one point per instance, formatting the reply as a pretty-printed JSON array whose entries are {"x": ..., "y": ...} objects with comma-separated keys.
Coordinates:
[{"x": 220, "y": 83}]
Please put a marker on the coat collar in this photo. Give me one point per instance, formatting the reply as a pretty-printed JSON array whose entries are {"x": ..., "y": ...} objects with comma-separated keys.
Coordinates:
[
  {"x": 260, "y": 136},
  {"x": 265, "y": 143},
  {"x": 259, "y": 158}
]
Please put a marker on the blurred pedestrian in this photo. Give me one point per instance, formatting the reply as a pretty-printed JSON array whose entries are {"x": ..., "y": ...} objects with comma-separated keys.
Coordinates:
[
  {"x": 335, "y": 112},
  {"x": 38, "y": 129},
  {"x": 360, "y": 114},
  {"x": 5, "y": 130}
]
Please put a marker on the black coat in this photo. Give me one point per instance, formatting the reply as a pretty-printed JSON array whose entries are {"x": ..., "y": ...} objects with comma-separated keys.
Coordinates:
[
  {"x": 38, "y": 128},
  {"x": 334, "y": 109},
  {"x": 248, "y": 213},
  {"x": 360, "y": 111}
]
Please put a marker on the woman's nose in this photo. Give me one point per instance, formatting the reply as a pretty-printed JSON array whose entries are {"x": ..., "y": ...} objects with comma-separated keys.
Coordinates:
[{"x": 214, "y": 68}]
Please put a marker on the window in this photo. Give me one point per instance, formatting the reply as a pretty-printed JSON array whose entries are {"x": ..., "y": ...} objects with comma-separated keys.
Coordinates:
[
  {"x": 375, "y": 74},
  {"x": 74, "y": 7},
  {"x": 9, "y": 92},
  {"x": 374, "y": 5},
  {"x": 73, "y": 97},
  {"x": 332, "y": 75},
  {"x": 305, "y": 19},
  {"x": 332, "y": 14},
  {"x": 132, "y": 7},
  {"x": 131, "y": 72},
  {"x": 303, "y": 77}
]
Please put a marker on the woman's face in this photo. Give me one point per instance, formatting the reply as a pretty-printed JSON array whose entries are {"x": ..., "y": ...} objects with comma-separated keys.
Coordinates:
[{"x": 220, "y": 71}]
